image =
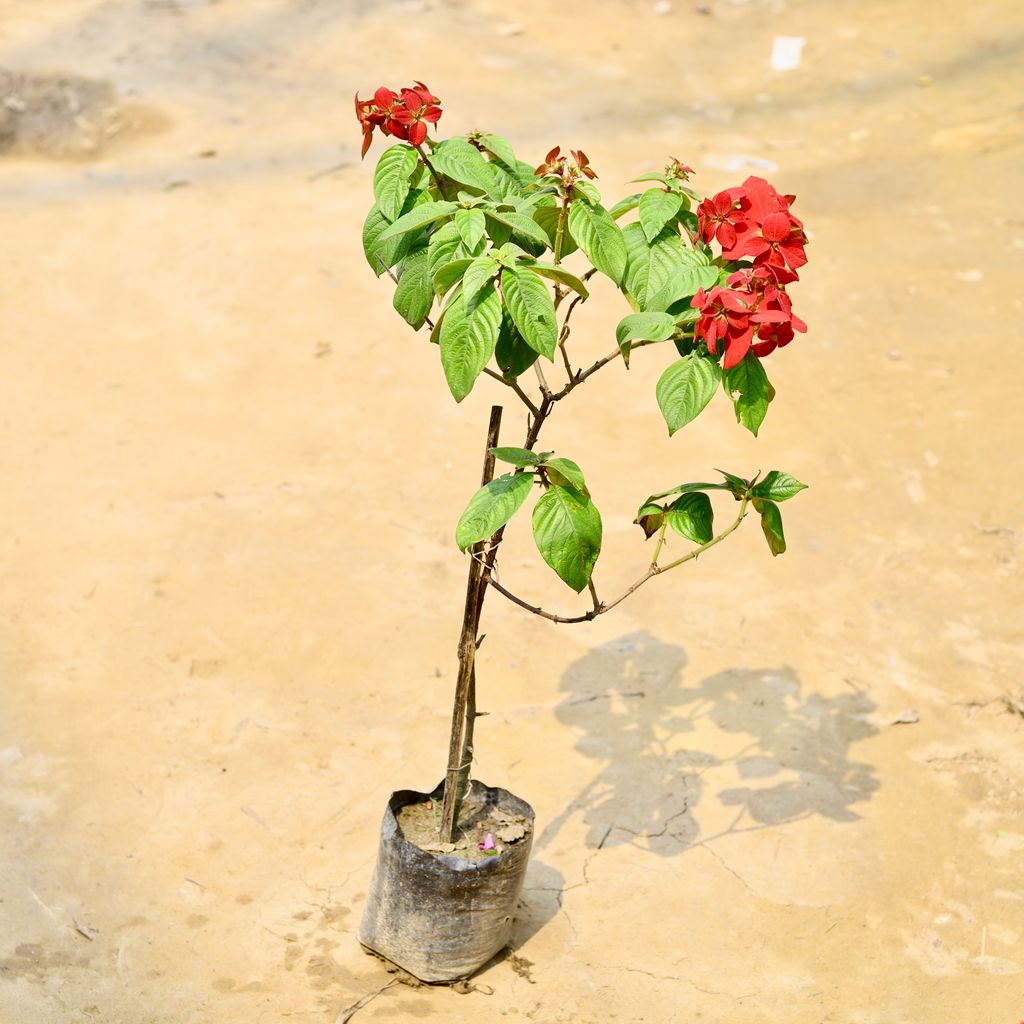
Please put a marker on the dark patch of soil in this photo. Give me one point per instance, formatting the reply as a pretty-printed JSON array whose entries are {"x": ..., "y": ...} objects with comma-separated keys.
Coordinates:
[
  {"x": 483, "y": 831},
  {"x": 64, "y": 116}
]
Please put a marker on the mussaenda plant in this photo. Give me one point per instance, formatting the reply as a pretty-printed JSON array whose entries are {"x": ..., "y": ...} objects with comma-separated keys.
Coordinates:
[{"x": 505, "y": 249}]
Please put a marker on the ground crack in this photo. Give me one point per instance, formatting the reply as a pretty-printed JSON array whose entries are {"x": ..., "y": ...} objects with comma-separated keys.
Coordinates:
[{"x": 746, "y": 885}]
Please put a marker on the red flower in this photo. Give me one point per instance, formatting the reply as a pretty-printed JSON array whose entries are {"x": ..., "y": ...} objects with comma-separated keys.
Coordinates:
[
  {"x": 754, "y": 220},
  {"x": 779, "y": 243},
  {"x": 369, "y": 118},
  {"x": 776, "y": 323},
  {"x": 760, "y": 199},
  {"x": 753, "y": 306},
  {"x": 726, "y": 317},
  {"x": 722, "y": 218},
  {"x": 405, "y": 115}
]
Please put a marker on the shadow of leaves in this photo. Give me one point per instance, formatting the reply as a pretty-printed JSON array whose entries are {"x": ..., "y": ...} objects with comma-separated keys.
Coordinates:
[{"x": 635, "y": 714}]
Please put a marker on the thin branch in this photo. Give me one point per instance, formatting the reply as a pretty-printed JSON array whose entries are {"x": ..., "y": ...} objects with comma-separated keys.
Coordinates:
[
  {"x": 593, "y": 593},
  {"x": 542, "y": 381},
  {"x": 433, "y": 173},
  {"x": 514, "y": 385},
  {"x": 582, "y": 375},
  {"x": 568, "y": 313},
  {"x": 565, "y": 355},
  {"x": 539, "y": 611},
  {"x": 660, "y": 542},
  {"x": 652, "y": 570}
]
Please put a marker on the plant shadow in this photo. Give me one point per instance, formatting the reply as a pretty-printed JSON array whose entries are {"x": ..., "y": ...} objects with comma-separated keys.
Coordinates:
[{"x": 629, "y": 702}]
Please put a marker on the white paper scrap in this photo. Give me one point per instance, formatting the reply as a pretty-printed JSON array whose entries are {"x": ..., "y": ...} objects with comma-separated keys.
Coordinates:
[{"x": 786, "y": 51}]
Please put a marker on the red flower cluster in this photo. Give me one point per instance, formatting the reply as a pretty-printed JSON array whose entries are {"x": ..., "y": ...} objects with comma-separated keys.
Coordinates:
[
  {"x": 754, "y": 220},
  {"x": 404, "y": 115},
  {"x": 753, "y": 312}
]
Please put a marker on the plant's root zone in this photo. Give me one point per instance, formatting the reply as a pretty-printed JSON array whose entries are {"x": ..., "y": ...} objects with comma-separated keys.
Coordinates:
[{"x": 483, "y": 830}]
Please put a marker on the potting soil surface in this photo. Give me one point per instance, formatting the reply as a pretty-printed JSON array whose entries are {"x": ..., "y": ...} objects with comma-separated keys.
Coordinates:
[{"x": 483, "y": 830}]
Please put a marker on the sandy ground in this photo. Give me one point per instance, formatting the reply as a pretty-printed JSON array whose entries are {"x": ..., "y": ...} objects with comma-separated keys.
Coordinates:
[{"x": 230, "y": 595}]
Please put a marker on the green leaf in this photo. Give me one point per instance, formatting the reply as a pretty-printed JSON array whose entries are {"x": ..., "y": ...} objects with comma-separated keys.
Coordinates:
[
  {"x": 444, "y": 246},
  {"x": 778, "y": 486},
  {"x": 381, "y": 255},
  {"x": 556, "y": 273},
  {"x": 687, "y": 489},
  {"x": 521, "y": 225},
  {"x": 588, "y": 190},
  {"x": 771, "y": 526},
  {"x": 532, "y": 309},
  {"x": 492, "y": 507},
  {"x": 484, "y": 312},
  {"x": 748, "y": 387},
  {"x": 466, "y": 348},
  {"x": 683, "y": 281},
  {"x": 499, "y": 147},
  {"x": 521, "y": 457},
  {"x": 392, "y": 178},
  {"x": 414, "y": 295},
  {"x": 448, "y": 275},
  {"x": 649, "y": 519},
  {"x": 625, "y": 205},
  {"x": 685, "y": 388},
  {"x": 508, "y": 187},
  {"x": 478, "y": 273},
  {"x": 547, "y": 218},
  {"x": 657, "y": 208},
  {"x": 471, "y": 227},
  {"x": 599, "y": 237},
  {"x": 650, "y": 264},
  {"x": 643, "y": 327},
  {"x": 567, "y": 529},
  {"x": 418, "y": 217},
  {"x": 463, "y": 162},
  {"x": 511, "y": 353},
  {"x": 651, "y": 176},
  {"x": 566, "y": 473},
  {"x": 691, "y": 516},
  {"x": 736, "y": 484}
]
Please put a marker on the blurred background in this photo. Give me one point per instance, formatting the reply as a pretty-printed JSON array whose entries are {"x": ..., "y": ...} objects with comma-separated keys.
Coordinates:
[{"x": 788, "y": 789}]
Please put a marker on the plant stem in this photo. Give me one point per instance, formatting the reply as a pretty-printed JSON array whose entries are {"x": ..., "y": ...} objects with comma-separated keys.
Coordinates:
[
  {"x": 653, "y": 570},
  {"x": 433, "y": 173},
  {"x": 563, "y": 216},
  {"x": 514, "y": 385},
  {"x": 460, "y": 746}
]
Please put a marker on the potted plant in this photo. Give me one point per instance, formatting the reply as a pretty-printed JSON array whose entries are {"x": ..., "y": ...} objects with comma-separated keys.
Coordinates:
[{"x": 506, "y": 249}]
